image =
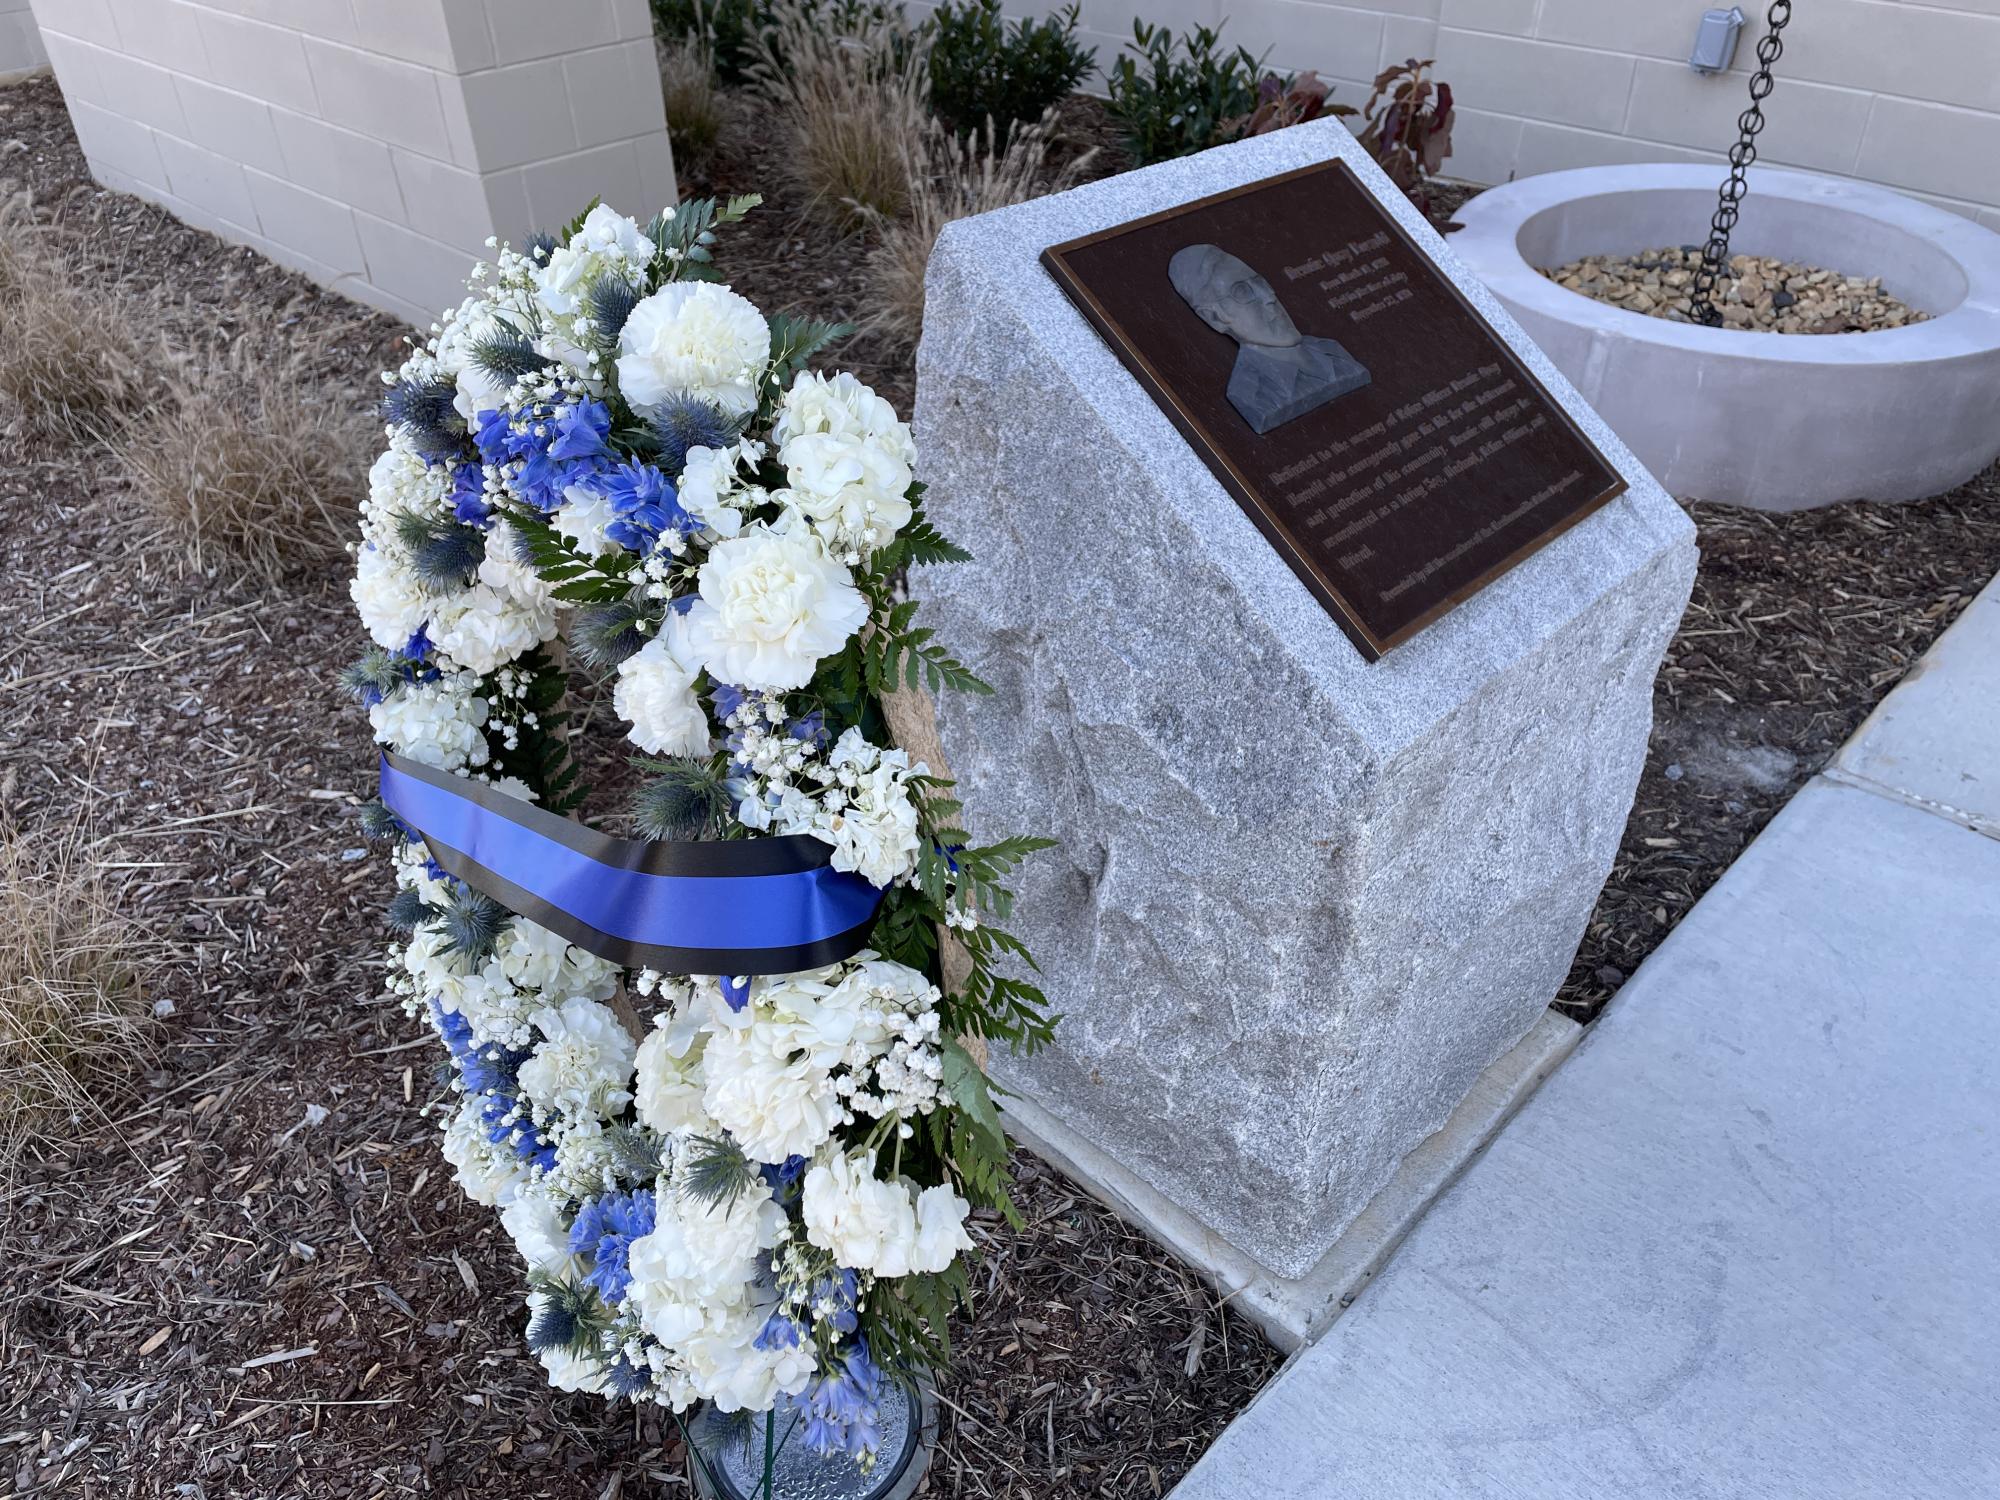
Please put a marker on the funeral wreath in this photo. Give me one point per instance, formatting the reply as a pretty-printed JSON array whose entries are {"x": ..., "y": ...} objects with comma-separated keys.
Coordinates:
[{"x": 711, "y": 1076}]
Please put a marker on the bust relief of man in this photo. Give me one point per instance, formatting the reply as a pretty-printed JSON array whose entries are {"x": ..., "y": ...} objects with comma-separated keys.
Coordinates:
[{"x": 1280, "y": 373}]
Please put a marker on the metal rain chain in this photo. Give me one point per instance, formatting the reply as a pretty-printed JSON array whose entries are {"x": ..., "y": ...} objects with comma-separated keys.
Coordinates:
[{"x": 1715, "y": 254}]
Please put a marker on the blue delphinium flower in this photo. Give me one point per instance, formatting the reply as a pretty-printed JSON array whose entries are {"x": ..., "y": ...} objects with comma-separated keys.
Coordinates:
[
  {"x": 779, "y": 1332},
  {"x": 506, "y": 1126},
  {"x": 834, "y": 1299},
  {"x": 604, "y": 1230},
  {"x": 556, "y": 447},
  {"x": 468, "y": 495},
  {"x": 648, "y": 506},
  {"x": 418, "y": 647},
  {"x": 778, "y": 1176},
  {"x": 841, "y": 1412},
  {"x": 580, "y": 431},
  {"x": 811, "y": 729}
]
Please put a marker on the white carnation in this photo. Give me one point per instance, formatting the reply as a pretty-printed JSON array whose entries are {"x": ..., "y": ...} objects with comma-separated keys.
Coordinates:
[
  {"x": 694, "y": 338},
  {"x": 772, "y": 604},
  {"x": 655, "y": 695},
  {"x": 584, "y": 1062}
]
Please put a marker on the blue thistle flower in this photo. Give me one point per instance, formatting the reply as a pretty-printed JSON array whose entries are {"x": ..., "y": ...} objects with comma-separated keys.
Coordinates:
[
  {"x": 425, "y": 410},
  {"x": 686, "y": 422},
  {"x": 627, "y": 1379}
]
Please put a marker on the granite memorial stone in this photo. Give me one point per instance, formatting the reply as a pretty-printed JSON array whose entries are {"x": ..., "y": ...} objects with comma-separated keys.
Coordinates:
[{"x": 1303, "y": 898}]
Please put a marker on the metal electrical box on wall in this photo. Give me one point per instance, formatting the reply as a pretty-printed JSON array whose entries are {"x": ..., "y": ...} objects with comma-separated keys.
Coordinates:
[{"x": 1715, "y": 40}]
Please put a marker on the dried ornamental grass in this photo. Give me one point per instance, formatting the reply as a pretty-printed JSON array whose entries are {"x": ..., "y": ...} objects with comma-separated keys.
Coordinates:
[
  {"x": 73, "y": 366},
  {"x": 852, "y": 89},
  {"x": 949, "y": 179},
  {"x": 73, "y": 1019},
  {"x": 257, "y": 468},
  {"x": 693, "y": 103}
]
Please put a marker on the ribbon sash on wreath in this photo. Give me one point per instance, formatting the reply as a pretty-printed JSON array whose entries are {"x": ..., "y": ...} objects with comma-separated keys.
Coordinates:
[{"x": 735, "y": 907}]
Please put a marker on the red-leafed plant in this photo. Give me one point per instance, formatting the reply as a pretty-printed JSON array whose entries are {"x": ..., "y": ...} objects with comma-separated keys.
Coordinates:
[
  {"x": 1283, "y": 101},
  {"x": 1407, "y": 127}
]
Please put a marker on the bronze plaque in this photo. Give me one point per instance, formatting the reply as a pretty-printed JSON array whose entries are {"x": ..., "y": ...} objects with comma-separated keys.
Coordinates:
[{"x": 1394, "y": 449}]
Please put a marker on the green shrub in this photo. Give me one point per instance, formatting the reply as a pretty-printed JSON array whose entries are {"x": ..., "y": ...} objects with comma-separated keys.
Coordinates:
[
  {"x": 727, "y": 28},
  {"x": 984, "y": 69},
  {"x": 736, "y": 32},
  {"x": 1188, "y": 95}
]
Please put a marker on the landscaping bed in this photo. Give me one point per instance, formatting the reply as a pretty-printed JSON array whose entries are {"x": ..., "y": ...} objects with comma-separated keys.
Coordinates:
[
  {"x": 218, "y": 1289},
  {"x": 256, "y": 1276}
]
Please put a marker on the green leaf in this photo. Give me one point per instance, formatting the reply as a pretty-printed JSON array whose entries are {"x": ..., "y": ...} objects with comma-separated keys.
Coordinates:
[{"x": 968, "y": 1089}]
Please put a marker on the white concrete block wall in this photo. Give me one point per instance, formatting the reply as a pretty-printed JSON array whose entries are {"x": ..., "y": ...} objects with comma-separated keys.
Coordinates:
[
  {"x": 372, "y": 144},
  {"x": 1901, "y": 92},
  {"x": 21, "y": 50}
]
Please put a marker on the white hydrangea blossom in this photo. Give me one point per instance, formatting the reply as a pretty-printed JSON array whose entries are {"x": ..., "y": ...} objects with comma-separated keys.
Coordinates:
[
  {"x": 863, "y": 809},
  {"x": 507, "y": 612},
  {"x": 488, "y": 1173},
  {"x": 392, "y": 606},
  {"x": 439, "y": 723}
]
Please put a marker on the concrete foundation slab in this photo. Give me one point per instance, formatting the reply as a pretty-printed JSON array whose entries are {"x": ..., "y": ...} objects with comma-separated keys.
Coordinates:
[{"x": 1295, "y": 1310}]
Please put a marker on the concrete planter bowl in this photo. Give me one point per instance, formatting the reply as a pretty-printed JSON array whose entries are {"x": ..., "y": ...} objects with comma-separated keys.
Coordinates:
[{"x": 1771, "y": 420}]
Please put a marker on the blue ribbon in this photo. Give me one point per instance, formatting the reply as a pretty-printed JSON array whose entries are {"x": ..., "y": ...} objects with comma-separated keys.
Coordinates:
[{"x": 749, "y": 906}]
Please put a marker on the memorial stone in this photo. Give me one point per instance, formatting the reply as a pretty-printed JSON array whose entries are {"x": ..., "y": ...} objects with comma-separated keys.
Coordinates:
[{"x": 1332, "y": 814}]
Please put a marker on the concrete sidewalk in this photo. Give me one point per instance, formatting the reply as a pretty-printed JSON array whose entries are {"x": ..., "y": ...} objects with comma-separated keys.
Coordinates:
[{"x": 1746, "y": 1242}]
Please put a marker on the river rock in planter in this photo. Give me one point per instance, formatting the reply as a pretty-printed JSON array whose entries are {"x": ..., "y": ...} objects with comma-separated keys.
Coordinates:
[{"x": 1301, "y": 900}]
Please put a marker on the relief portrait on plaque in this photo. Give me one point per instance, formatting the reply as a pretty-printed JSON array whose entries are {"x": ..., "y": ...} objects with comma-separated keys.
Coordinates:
[{"x": 1280, "y": 373}]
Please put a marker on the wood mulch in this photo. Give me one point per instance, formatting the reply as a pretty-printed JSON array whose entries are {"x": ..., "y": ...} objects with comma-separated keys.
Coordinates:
[{"x": 258, "y": 1278}]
